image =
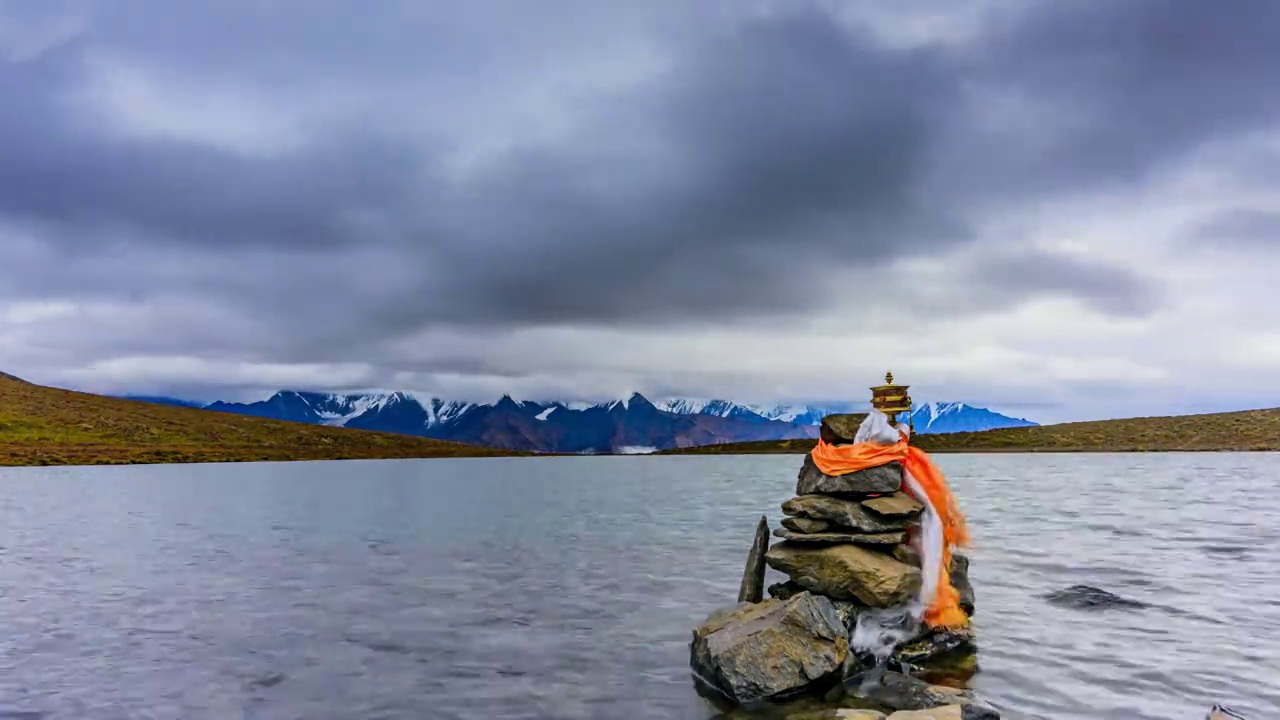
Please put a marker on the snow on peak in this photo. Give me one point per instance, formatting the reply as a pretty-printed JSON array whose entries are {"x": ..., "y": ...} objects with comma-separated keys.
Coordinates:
[
  {"x": 624, "y": 403},
  {"x": 699, "y": 406},
  {"x": 683, "y": 406},
  {"x": 546, "y": 413}
]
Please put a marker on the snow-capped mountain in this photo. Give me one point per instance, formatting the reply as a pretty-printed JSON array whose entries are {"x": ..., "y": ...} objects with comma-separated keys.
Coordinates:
[
  {"x": 958, "y": 417},
  {"x": 934, "y": 417},
  {"x": 621, "y": 425},
  {"x": 801, "y": 414}
]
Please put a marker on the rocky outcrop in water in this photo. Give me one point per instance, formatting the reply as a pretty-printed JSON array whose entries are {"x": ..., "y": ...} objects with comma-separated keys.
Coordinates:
[
  {"x": 770, "y": 649},
  {"x": 849, "y": 552},
  {"x": 1087, "y": 597},
  {"x": 959, "y": 572},
  {"x": 752, "y": 588},
  {"x": 894, "y": 692}
]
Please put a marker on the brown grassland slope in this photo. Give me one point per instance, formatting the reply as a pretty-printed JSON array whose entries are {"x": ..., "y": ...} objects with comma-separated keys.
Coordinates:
[
  {"x": 49, "y": 426},
  {"x": 1244, "y": 430}
]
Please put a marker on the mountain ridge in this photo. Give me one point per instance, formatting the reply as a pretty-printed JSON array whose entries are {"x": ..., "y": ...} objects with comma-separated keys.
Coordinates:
[
  {"x": 1256, "y": 430},
  {"x": 632, "y": 423},
  {"x": 42, "y": 425}
]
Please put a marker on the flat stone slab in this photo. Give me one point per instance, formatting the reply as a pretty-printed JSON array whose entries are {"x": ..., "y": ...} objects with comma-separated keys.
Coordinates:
[
  {"x": 846, "y": 572},
  {"x": 830, "y": 538},
  {"x": 897, "y": 505},
  {"x": 805, "y": 525},
  {"x": 840, "y": 511},
  {"x": 878, "y": 480}
]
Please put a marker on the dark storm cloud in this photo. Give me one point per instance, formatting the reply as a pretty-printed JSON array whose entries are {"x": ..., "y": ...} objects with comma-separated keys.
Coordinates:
[
  {"x": 767, "y": 151},
  {"x": 1118, "y": 90},
  {"x": 757, "y": 160},
  {"x": 1110, "y": 289}
]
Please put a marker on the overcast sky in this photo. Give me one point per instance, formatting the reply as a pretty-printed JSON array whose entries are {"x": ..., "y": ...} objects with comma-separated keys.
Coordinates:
[{"x": 1063, "y": 210}]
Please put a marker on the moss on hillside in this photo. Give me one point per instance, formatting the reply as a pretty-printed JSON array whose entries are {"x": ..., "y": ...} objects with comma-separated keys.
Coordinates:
[{"x": 49, "y": 426}]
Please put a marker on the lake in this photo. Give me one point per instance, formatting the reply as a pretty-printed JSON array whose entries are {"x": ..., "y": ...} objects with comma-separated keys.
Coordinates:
[{"x": 568, "y": 587}]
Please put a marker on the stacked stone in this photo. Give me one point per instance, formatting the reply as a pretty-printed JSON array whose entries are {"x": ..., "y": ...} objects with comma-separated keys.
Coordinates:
[
  {"x": 846, "y": 537},
  {"x": 844, "y": 546}
]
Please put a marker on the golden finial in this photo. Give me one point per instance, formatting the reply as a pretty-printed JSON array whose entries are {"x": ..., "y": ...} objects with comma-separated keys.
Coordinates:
[{"x": 891, "y": 399}]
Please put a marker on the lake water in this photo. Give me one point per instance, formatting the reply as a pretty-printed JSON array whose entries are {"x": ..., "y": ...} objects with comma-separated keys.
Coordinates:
[{"x": 568, "y": 587}]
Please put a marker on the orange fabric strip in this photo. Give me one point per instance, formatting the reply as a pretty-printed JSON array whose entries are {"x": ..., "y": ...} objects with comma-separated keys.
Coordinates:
[{"x": 944, "y": 610}]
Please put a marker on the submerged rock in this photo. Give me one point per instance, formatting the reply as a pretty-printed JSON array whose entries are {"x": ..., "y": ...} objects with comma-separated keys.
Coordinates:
[
  {"x": 1219, "y": 712},
  {"x": 1087, "y": 597},
  {"x": 839, "y": 511},
  {"x": 752, "y": 588},
  {"x": 805, "y": 525},
  {"x": 959, "y": 572},
  {"x": 833, "y": 537},
  {"x": 897, "y": 505},
  {"x": 846, "y": 572},
  {"x": 895, "y": 692},
  {"x": 934, "y": 644},
  {"x": 948, "y": 712},
  {"x": 836, "y": 714},
  {"x": 872, "y": 481},
  {"x": 771, "y": 649}
]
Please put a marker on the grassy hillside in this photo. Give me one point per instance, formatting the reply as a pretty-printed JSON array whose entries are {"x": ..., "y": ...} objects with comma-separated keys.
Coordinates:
[
  {"x": 48, "y": 426},
  {"x": 1245, "y": 430}
]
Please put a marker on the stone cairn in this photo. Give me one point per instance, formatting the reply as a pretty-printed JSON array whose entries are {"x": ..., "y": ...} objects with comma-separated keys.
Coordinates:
[{"x": 839, "y": 633}]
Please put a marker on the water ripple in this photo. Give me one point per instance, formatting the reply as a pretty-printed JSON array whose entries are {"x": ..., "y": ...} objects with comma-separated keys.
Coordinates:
[{"x": 567, "y": 587}]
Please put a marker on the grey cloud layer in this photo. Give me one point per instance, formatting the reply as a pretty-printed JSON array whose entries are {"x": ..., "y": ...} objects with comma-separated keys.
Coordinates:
[{"x": 442, "y": 165}]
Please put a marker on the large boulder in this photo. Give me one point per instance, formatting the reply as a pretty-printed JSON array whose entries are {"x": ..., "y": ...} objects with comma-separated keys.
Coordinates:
[
  {"x": 846, "y": 572},
  {"x": 771, "y": 649},
  {"x": 877, "y": 480},
  {"x": 839, "y": 511}
]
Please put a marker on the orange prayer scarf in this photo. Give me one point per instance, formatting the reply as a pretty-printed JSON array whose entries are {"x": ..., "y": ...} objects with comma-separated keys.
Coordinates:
[{"x": 944, "y": 611}]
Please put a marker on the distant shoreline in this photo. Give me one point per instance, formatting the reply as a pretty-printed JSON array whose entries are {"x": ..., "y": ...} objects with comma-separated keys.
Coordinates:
[
  {"x": 1242, "y": 431},
  {"x": 707, "y": 450},
  {"x": 43, "y": 426}
]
